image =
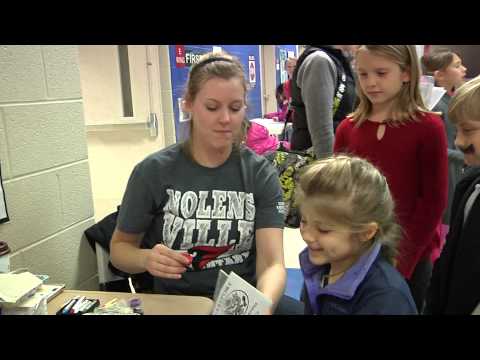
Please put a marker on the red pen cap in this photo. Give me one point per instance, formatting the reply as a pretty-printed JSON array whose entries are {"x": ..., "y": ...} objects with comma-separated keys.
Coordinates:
[{"x": 188, "y": 257}]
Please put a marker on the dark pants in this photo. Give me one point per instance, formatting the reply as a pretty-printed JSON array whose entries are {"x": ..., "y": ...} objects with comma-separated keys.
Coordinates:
[
  {"x": 289, "y": 306},
  {"x": 419, "y": 283}
]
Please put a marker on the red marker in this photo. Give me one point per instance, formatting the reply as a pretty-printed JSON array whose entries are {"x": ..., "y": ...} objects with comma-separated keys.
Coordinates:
[{"x": 188, "y": 257}]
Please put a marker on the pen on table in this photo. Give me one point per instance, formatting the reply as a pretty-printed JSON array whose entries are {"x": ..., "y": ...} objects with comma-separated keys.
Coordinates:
[{"x": 67, "y": 308}]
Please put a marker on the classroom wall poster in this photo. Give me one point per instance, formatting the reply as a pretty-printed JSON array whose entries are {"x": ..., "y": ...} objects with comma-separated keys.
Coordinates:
[
  {"x": 182, "y": 57},
  {"x": 179, "y": 56},
  {"x": 252, "y": 77},
  {"x": 283, "y": 59}
]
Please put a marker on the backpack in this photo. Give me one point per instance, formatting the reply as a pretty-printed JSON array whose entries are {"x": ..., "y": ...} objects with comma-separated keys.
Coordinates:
[{"x": 289, "y": 164}]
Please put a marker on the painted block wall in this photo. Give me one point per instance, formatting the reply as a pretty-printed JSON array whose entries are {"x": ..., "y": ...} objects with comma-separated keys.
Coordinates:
[{"x": 44, "y": 162}]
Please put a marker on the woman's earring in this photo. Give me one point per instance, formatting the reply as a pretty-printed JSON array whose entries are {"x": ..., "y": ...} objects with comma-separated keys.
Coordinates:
[{"x": 185, "y": 115}]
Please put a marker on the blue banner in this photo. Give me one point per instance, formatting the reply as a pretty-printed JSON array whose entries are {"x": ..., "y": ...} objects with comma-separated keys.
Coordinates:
[{"x": 183, "y": 56}]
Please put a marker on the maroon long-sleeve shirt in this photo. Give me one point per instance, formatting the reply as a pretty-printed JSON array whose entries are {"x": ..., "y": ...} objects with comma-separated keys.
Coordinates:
[{"x": 413, "y": 158}]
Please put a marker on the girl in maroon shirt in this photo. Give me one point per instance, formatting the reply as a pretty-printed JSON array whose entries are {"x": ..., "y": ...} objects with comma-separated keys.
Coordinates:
[{"x": 392, "y": 128}]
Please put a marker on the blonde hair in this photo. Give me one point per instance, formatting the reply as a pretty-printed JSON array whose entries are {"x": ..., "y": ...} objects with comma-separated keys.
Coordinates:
[
  {"x": 349, "y": 192},
  {"x": 291, "y": 60},
  {"x": 409, "y": 103},
  {"x": 213, "y": 65},
  {"x": 465, "y": 103}
]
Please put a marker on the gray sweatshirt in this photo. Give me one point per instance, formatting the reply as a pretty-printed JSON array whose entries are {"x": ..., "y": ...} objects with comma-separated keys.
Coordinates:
[{"x": 317, "y": 80}]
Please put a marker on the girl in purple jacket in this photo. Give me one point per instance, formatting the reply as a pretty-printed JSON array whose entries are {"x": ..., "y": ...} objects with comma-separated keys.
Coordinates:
[{"x": 348, "y": 223}]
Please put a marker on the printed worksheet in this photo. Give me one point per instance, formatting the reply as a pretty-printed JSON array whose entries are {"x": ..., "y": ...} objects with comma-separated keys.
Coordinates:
[
  {"x": 222, "y": 278},
  {"x": 238, "y": 297}
]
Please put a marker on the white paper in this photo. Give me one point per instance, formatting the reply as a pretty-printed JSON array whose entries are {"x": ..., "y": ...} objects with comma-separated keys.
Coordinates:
[
  {"x": 35, "y": 304},
  {"x": 431, "y": 95},
  {"x": 291, "y": 54},
  {"x": 476, "y": 311},
  {"x": 222, "y": 278},
  {"x": 426, "y": 91},
  {"x": 238, "y": 297},
  {"x": 16, "y": 287},
  {"x": 435, "y": 96}
]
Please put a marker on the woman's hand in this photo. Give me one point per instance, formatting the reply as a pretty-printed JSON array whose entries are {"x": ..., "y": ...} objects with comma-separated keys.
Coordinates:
[
  {"x": 269, "y": 311},
  {"x": 164, "y": 262}
]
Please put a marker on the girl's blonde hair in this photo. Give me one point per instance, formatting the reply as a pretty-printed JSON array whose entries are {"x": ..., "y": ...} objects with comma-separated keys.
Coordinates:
[
  {"x": 465, "y": 103},
  {"x": 349, "y": 193},
  {"x": 214, "y": 65},
  {"x": 409, "y": 103}
]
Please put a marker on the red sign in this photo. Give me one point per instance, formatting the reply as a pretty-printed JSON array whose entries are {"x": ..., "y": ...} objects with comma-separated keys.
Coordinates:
[{"x": 180, "y": 56}]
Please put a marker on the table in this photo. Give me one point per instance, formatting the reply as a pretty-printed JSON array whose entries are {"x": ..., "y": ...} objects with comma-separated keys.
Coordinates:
[{"x": 152, "y": 304}]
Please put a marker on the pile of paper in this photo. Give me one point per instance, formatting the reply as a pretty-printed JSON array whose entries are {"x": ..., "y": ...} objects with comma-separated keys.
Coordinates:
[
  {"x": 16, "y": 287},
  {"x": 19, "y": 295},
  {"x": 35, "y": 304}
]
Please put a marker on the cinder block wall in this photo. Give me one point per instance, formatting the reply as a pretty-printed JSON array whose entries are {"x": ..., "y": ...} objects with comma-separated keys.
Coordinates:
[{"x": 44, "y": 162}]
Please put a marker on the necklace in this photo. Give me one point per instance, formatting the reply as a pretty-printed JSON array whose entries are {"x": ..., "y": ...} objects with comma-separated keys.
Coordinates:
[{"x": 326, "y": 277}]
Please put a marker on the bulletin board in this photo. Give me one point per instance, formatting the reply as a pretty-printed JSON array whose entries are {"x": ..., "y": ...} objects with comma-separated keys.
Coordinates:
[
  {"x": 183, "y": 56},
  {"x": 282, "y": 53}
]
